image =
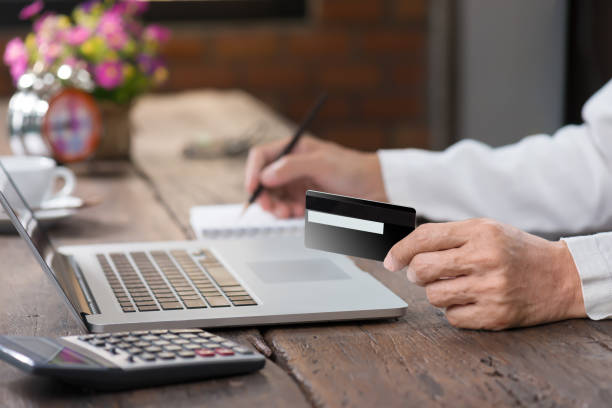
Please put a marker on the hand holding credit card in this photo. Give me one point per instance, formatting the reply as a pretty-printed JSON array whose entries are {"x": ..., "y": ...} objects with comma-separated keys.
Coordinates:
[{"x": 356, "y": 227}]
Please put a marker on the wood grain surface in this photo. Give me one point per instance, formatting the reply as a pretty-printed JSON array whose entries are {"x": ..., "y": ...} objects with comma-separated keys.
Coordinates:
[{"x": 418, "y": 360}]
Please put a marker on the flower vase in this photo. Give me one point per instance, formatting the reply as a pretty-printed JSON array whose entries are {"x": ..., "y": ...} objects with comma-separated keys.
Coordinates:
[{"x": 115, "y": 140}]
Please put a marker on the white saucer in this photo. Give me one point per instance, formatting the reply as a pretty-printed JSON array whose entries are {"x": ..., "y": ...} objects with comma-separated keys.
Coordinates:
[{"x": 51, "y": 211}]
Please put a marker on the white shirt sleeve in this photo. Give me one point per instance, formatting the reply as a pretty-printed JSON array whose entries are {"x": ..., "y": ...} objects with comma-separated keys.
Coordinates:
[{"x": 559, "y": 184}]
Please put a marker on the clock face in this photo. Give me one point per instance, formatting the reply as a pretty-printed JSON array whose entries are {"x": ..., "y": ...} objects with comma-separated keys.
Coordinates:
[{"x": 72, "y": 125}]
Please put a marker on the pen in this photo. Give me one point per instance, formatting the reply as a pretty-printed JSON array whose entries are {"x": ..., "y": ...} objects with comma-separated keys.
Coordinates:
[{"x": 296, "y": 137}]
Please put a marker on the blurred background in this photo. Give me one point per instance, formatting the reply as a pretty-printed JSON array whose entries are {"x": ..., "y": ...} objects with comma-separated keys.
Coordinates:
[{"x": 420, "y": 73}]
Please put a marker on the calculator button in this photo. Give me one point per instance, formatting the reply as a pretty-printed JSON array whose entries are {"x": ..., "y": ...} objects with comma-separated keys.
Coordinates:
[
  {"x": 211, "y": 345},
  {"x": 124, "y": 345},
  {"x": 149, "y": 337},
  {"x": 199, "y": 341},
  {"x": 130, "y": 339},
  {"x": 186, "y": 354},
  {"x": 158, "y": 332},
  {"x": 153, "y": 349},
  {"x": 192, "y": 346},
  {"x": 169, "y": 336},
  {"x": 141, "y": 344},
  {"x": 217, "y": 339},
  {"x": 206, "y": 335},
  {"x": 229, "y": 344},
  {"x": 243, "y": 350},
  {"x": 98, "y": 343},
  {"x": 161, "y": 342},
  {"x": 178, "y": 331},
  {"x": 86, "y": 337},
  {"x": 180, "y": 341},
  {"x": 187, "y": 335},
  {"x": 134, "y": 350},
  {"x": 205, "y": 353},
  {"x": 121, "y": 334},
  {"x": 147, "y": 357},
  {"x": 113, "y": 340},
  {"x": 224, "y": 352},
  {"x": 166, "y": 355},
  {"x": 140, "y": 332},
  {"x": 172, "y": 347},
  {"x": 103, "y": 336}
]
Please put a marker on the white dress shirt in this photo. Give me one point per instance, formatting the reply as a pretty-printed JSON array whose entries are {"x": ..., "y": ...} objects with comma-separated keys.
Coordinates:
[{"x": 559, "y": 184}]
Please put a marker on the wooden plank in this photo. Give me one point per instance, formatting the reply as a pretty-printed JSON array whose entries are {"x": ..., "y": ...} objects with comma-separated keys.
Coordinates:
[
  {"x": 420, "y": 359},
  {"x": 130, "y": 211}
]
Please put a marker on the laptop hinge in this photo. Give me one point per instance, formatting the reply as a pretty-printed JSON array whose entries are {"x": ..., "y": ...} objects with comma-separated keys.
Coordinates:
[{"x": 87, "y": 304}]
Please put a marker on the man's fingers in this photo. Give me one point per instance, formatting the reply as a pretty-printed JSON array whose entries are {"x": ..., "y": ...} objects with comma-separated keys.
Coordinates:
[
  {"x": 290, "y": 168},
  {"x": 258, "y": 158},
  {"x": 465, "y": 316},
  {"x": 427, "y": 267},
  {"x": 427, "y": 238},
  {"x": 450, "y": 292}
]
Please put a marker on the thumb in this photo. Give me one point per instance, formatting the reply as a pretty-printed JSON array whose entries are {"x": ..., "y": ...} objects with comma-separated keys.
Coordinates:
[{"x": 290, "y": 168}]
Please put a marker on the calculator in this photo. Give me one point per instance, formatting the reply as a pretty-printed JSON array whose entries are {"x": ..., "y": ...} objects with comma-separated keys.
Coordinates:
[{"x": 132, "y": 359}]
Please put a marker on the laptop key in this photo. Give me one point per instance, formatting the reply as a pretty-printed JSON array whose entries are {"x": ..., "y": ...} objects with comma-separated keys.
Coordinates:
[
  {"x": 147, "y": 308},
  {"x": 171, "y": 305},
  {"x": 244, "y": 302},
  {"x": 194, "y": 303},
  {"x": 217, "y": 301}
]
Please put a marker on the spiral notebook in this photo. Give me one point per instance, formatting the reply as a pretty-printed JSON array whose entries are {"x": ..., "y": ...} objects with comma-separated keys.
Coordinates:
[{"x": 224, "y": 221}]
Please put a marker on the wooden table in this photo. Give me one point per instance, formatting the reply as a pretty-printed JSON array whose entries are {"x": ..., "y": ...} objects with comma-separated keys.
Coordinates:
[{"x": 418, "y": 360}]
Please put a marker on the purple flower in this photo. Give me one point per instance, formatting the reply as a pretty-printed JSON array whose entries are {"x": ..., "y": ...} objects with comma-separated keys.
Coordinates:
[
  {"x": 132, "y": 7},
  {"x": 112, "y": 30},
  {"x": 31, "y": 10},
  {"x": 78, "y": 35},
  {"x": 149, "y": 64},
  {"x": 109, "y": 74},
  {"x": 155, "y": 32},
  {"x": 88, "y": 5},
  {"x": 15, "y": 52}
]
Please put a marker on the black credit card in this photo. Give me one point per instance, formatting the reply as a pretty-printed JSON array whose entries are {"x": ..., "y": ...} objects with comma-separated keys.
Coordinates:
[{"x": 356, "y": 227}]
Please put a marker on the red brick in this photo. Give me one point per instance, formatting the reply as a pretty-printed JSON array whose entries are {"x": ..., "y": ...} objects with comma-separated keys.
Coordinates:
[
  {"x": 393, "y": 42},
  {"x": 184, "y": 45},
  {"x": 246, "y": 45},
  {"x": 391, "y": 107},
  {"x": 354, "y": 77},
  {"x": 360, "y": 11},
  {"x": 410, "y": 10},
  {"x": 185, "y": 76},
  {"x": 357, "y": 136},
  {"x": 318, "y": 44},
  {"x": 408, "y": 74},
  {"x": 275, "y": 76},
  {"x": 335, "y": 108}
]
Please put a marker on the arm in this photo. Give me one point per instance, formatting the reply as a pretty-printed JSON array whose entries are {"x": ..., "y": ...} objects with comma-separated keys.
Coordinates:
[{"x": 542, "y": 184}]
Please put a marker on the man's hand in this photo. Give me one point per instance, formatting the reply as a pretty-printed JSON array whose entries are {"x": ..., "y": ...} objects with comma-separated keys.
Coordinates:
[
  {"x": 490, "y": 276},
  {"x": 312, "y": 164}
]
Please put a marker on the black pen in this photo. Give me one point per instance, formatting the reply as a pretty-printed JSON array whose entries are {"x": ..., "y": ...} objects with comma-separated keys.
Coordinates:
[{"x": 296, "y": 137}]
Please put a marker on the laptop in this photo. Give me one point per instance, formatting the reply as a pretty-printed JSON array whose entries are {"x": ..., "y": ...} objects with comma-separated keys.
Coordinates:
[{"x": 200, "y": 284}]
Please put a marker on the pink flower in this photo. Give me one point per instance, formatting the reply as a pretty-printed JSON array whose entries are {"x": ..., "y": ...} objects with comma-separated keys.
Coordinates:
[
  {"x": 155, "y": 32},
  {"x": 133, "y": 7},
  {"x": 17, "y": 70},
  {"x": 15, "y": 52},
  {"x": 78, "y": 35},
  {"x": 108, "y": 74},
  {"x": 112, "y": 30},
  {"x": 31, "y": 10}
]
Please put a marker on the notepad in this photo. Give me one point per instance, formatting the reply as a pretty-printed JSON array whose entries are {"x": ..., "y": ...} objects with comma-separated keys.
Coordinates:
[{"x": 224, "y": 221}]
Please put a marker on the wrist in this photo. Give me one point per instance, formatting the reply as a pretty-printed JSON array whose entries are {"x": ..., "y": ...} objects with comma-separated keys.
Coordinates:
[
  {"x": 375, "y": 177},
  {"x": 571, "y": 286}
]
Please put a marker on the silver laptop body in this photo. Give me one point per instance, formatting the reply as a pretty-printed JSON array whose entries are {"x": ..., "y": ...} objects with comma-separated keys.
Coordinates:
[{"x": 187, "y": 284}]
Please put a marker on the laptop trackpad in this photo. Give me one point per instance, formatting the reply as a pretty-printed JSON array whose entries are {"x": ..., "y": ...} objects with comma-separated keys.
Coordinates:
[{"x": 297, "y": 271}]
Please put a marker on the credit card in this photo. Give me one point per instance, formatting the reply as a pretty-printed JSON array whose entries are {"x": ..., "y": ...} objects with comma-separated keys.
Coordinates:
[{"x": 353, "y": 226}]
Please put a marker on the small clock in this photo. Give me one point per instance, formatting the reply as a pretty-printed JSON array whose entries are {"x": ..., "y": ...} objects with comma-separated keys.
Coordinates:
[{"x": 72, "y": 125}]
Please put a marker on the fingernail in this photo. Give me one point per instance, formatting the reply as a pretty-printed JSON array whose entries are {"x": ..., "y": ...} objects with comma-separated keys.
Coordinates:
[
  {"x": 410, "y": 274},
  {"x": 390, "y": 263}
]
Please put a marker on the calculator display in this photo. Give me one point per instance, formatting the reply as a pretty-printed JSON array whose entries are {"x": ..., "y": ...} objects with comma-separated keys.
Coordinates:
[{"x": 70, "y": 357}]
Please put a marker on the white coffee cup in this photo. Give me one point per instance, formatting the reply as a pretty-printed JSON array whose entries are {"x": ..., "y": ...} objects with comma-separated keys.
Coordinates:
[{"x": 37, "y": 176}]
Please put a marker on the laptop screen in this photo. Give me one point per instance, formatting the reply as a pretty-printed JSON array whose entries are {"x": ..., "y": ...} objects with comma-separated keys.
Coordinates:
[{"x": 28, "y": 226}]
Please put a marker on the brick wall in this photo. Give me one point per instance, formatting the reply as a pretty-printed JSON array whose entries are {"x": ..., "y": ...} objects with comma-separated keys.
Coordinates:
[{"x": 370, "y": 55}]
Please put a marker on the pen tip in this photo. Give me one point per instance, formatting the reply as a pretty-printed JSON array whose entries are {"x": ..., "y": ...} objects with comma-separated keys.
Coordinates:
[{"x": 244, "y": 208}]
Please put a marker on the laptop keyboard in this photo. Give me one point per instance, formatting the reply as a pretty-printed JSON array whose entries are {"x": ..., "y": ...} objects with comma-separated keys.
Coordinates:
[{"x": 173, "y": 280}]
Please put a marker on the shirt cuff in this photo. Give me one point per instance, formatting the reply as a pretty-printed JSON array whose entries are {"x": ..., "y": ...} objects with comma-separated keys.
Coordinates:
[{"x": 593, "y": 258}]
